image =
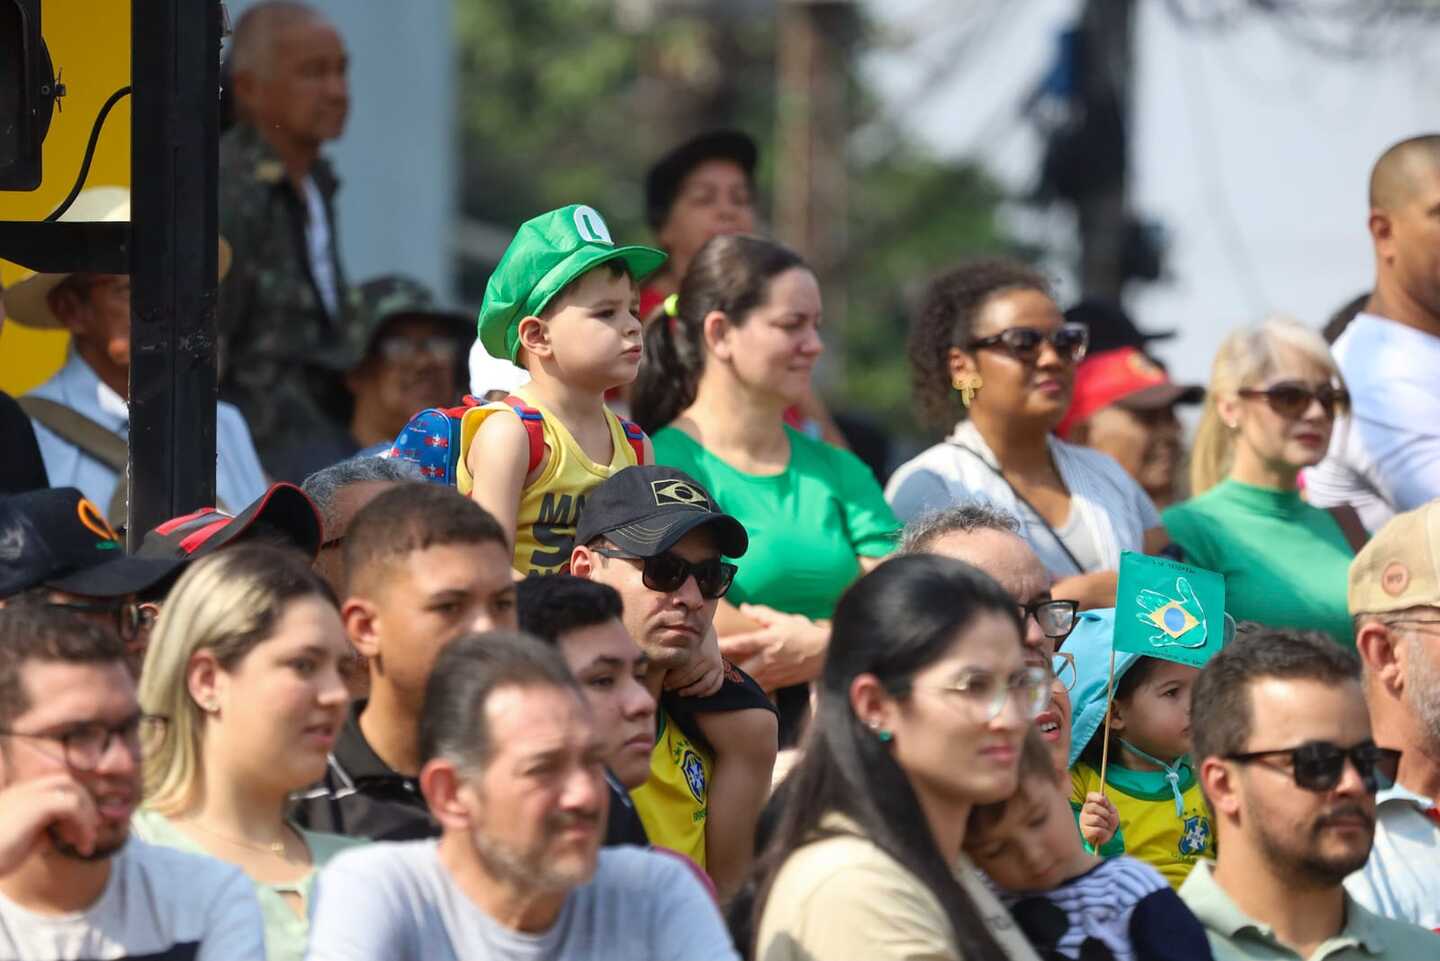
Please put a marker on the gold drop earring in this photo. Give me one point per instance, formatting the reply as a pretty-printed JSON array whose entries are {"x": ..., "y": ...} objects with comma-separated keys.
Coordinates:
[{"x": 967, "y": 384}]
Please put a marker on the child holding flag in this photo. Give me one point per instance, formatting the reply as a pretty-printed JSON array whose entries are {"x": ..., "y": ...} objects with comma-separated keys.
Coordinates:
[{"x": 1137, "y": 794}]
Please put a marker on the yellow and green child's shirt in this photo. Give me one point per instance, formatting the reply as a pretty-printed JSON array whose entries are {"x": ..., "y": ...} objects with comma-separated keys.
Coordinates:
[
  {"x": 550, "y": 505},
  {"x": 674, "y": 802},
  {"x": 1167, "y": 832}
]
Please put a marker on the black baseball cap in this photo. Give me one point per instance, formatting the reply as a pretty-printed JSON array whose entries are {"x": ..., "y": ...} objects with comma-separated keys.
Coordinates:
[
  {"x": 56, "y": 538},
  {"x": 662, "y": 182},
  {"x": 1110, "y": 326},
  {"x": 283, "y": 513},
  {"x": 647, "y": 510}
]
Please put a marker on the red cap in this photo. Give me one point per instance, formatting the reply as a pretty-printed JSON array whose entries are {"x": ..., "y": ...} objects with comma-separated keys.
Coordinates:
[
  {"x": 1127, "y": 377},
  {"x": 283, "y": 509}
]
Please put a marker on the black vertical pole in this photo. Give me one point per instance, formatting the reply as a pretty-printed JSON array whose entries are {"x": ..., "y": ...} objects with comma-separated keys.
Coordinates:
[{"x": 173, "y": 258}]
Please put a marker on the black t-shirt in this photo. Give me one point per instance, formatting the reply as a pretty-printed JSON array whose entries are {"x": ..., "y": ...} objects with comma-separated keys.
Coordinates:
[
  {"x": 21, "y": 468},
  {"x": 622, "y": 824}
]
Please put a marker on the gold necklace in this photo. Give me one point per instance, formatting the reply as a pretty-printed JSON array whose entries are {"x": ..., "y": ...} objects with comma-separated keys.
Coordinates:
[{"x": 276, "y": 848}]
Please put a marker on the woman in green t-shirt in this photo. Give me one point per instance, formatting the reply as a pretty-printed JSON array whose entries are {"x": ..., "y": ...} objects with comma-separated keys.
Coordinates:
[
  {"x": 1273, "y": 396},
  {"x": 740, "y": 349}
]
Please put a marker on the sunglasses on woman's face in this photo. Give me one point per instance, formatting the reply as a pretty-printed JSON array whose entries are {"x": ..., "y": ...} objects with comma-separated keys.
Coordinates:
[
  {"x": 1069, "y": 342},
  {"x": 666, "y": 573},
  {"x": 1292, "y": 398},
  {"x": 1319, "y": 765}
]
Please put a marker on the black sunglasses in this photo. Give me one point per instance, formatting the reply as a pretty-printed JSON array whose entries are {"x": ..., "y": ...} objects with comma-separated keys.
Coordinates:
[
  {"x": 666, "y": 572},
  {"x": 1070, "y": 341},
  {"x": 1291, "y": 398},
  {"x": 1318, "y": 765}
]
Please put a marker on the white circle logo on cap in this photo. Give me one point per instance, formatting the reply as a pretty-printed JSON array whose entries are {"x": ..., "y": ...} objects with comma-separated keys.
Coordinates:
[{"x": 591, "y": 226}]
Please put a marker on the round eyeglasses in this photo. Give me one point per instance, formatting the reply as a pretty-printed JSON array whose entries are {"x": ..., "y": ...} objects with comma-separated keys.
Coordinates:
[{"x": 989, "y": 693}]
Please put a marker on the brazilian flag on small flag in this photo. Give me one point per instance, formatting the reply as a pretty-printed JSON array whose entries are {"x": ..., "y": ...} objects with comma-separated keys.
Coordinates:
[{"x": 1169, "y": 610}]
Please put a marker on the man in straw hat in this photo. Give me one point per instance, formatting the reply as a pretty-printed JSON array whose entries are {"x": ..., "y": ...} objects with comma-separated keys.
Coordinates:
[{"x": 81, "y": 416}]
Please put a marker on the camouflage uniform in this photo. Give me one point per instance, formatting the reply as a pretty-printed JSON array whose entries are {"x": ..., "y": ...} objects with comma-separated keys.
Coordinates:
[{"x": 280, "y": 350}]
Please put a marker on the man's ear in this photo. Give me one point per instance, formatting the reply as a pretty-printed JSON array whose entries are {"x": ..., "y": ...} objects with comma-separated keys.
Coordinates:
[
  {"x": 1218, "y": 782},
  {"x": 534, "y": 335},
  {"x": 447, "y": 793},
  {"x": 361, "y": 617},
  {"x": 1383, "y": 656},
  {"x": 68, "y": 307},
  {"x": 582, "y": 562},
  {"x": 1382, "y": 232}
]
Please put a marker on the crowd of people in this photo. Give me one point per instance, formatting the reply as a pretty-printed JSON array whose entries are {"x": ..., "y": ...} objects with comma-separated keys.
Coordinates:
[{"x": 626, "y": 654}]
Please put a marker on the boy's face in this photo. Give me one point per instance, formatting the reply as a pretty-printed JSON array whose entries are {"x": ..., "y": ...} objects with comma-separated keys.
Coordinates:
[
  {"x": 593, "y": 336},
  {"x": 1035, "y": 846}
]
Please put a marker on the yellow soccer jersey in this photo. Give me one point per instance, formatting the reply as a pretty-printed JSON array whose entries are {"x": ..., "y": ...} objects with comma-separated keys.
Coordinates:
[
  {"x": 674, "y": 802},
  {"x": 1150, "y": 830},
  {"x": 550, "y": 505}
]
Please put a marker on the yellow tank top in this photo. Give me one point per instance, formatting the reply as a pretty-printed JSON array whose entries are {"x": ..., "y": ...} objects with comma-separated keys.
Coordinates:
[
  {"x": 674, "y": 802},
  {"x": 551, "y": 504},
  {"x": 1150, "y": 830}
]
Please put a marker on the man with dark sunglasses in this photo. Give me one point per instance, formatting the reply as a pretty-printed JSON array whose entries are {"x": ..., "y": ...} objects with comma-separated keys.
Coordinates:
[
  {"x": 656, "y": 536},
  {"x": 1290, "y": 769},
  {"x": 1395, "y": 600}
]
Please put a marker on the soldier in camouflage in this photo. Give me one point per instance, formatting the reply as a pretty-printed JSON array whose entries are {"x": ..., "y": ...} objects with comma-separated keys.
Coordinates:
[{"x": 287, "y": 321}]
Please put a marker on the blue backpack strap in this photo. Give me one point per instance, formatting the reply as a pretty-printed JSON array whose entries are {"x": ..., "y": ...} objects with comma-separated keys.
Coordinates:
[{"x": 534, "y": 423}]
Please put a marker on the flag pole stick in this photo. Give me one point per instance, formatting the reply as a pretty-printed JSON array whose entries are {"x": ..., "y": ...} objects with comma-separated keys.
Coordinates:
[{"x": 1105, "y": 742}]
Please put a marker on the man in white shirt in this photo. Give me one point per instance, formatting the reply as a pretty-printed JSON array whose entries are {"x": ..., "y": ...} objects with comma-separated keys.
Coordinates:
[
  {"x": 1385, "y": 456},
  {"x": 1395, "y": 597},
  {"x": 514, "y": 772},
  {"x": 73, "y": 884},
  {"x": 94, "y": 384}
]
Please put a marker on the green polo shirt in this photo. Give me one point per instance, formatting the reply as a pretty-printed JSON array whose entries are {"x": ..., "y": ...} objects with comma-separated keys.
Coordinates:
[{"x": 1235, "y": 936}]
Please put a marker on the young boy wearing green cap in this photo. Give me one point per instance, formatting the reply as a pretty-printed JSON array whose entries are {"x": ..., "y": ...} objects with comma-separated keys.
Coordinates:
[{"x": 561, "y": 304}]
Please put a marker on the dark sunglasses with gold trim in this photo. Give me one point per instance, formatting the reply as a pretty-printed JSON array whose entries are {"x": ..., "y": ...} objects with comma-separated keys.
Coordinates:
[{"x": 1069, "y": 341}]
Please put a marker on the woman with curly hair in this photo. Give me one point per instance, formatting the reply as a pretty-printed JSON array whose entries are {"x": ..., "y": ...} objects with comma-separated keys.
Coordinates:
[{"x": 990, "y": 346}]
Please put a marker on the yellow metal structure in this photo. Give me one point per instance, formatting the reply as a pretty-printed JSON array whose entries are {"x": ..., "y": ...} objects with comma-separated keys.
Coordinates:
[{"x": 90, "y": 41}]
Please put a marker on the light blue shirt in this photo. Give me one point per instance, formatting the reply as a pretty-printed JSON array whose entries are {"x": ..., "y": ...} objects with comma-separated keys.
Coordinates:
[{"x": 239, "y": 478}]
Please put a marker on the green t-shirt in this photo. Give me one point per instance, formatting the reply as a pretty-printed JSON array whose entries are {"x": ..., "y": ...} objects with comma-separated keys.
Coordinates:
[
  {"x": 1285, "y": 562},
  {"x": 808, "y": 525}
]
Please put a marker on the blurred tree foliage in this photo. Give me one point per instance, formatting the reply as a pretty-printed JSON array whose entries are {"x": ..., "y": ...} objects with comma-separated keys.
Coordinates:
[{"x": 567, "y": 101}]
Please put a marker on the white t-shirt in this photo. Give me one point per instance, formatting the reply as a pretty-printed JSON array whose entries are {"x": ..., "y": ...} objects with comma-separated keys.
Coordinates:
[
  {"x": 1402, "y": 878},
  {"x": 1385, "y": 457},
  {"x": 159, "y": 904},
  {"x": 394, "y": 901}
]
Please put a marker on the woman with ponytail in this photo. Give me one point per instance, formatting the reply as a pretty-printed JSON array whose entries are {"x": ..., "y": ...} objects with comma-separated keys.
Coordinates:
[
  {"x": 1273, "y": 396},
  {"x": 739, "y": 349},
  {"x": 923, "y": 706}
]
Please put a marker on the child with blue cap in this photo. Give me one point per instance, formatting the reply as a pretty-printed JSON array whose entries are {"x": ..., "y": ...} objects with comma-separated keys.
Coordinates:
[{"x": 1150, "y": 805}]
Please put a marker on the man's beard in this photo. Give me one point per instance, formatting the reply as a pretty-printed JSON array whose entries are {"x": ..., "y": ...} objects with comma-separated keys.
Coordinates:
[
  {"x": 530, "y": 869},
  {"x": 66, "y": 849},
  {"x": 1303, "y": 862}
]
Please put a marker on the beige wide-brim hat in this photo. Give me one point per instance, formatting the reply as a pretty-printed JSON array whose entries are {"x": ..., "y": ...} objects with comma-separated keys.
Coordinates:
[{"x": 28, "y": 302}]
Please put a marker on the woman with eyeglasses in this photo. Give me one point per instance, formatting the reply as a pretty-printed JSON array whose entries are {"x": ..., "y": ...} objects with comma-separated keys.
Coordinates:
[
  {"x": 1273, "y": 396},
  {"x": 245, "y": 666},
  {"x": 924, "y": 703},
  {"x": 990, "y": 345},
  {"x": 712, "y": 394}
]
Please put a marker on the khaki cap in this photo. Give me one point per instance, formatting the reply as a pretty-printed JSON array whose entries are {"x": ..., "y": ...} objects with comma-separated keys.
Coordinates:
[{"x": 1400, "y": 567}]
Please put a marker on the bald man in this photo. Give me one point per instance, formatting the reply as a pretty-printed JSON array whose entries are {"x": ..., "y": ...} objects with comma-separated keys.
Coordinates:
[
  {"x": 1385, "y": 456},
  {"x": 286, "y": 314}
]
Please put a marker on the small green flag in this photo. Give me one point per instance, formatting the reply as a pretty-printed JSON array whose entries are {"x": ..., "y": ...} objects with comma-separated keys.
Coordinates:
[{"x": 1169, "y": 610}]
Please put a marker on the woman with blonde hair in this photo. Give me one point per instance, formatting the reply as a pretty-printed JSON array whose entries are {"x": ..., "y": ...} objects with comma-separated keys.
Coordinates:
[
  {"x": 1270, "y": 408},
  {"x": 244, "y": 665}
]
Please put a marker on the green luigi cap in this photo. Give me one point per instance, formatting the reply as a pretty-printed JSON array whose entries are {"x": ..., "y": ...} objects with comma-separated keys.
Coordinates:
[{"x": 548, "y": 252}]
